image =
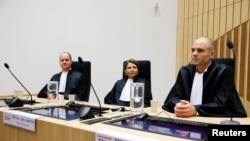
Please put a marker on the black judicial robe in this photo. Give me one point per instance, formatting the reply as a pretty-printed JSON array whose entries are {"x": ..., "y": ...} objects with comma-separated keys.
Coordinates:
[
  {"x": 113, "y": 97},
  {"x": 76, "y": 84},
  {"x": 220, "y": 97}
]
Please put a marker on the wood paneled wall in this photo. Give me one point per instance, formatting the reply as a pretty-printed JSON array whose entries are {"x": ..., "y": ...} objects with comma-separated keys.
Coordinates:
[{"x": 220, "y": 20}]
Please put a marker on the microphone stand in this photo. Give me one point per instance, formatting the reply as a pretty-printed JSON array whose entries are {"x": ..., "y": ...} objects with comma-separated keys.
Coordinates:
[
  {"x": 100, "y": 107},
  {"x": 7, "y": 66},
  {"x": 231, "y": 121}
]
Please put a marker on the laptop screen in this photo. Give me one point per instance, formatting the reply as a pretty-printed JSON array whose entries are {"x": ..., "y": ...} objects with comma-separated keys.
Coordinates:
[
  {"x": 3, "y": 103},
  {"x": 193, "y": 132},
  {"x": 56, "y": 112}
]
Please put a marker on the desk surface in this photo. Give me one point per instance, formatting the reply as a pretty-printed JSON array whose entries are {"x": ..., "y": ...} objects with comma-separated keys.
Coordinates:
[{"x": 73, "y": 130}]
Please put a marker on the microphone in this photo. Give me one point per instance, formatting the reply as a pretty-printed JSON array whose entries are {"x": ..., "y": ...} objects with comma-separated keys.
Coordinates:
[
  {"x": 7, "y": 67},
  {"x": 85, "y": 73},
  {"x": 231, "y": 121},
  {"x": 230, "y": 45}
]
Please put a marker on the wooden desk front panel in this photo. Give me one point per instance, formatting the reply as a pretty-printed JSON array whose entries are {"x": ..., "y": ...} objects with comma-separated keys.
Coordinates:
[{"x": 45, "y": 131}]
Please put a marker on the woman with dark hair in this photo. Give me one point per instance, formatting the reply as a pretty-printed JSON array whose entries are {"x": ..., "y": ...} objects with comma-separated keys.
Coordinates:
[{"x": 120, "y": 93}]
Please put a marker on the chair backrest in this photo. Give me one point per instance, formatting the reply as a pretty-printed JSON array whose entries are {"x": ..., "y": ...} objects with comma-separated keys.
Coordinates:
[
  {"x": 227, "y": 61},
  {"x": 144, "y": 70},
  {"x": 85, "y": 69}
]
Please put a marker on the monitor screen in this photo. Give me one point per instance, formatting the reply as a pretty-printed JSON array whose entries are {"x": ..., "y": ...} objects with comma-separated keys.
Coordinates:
[
  {"x": 3, "y": 103},
  {"x": 193, "y": 132},
  {"x": 56, "y": 112}
]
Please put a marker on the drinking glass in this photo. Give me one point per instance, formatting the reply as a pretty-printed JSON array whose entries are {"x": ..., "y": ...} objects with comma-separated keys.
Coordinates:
[
  {"x": 136, "y": 98},
  {"x": 52, "y": 88}
]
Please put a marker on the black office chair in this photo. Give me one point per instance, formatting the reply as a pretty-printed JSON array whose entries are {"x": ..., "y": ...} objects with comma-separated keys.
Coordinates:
[
  {"x": 85, "y": 69},
  {"x": 144, "y": 70},
  {"x": 227, "y": 61}
]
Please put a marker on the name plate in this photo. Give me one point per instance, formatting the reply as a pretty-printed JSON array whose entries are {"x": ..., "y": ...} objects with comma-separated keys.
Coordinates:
[
  {"x": 109, "y": 135},
  {"x": 20, "y": 119}
]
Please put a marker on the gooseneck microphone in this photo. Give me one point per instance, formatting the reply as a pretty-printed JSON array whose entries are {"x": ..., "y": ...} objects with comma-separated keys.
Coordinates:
[
  {"x": 7, "y": 67},
  {"x": 231, "y": 121},
  {"x": 85, "y": 73},
  {"x": 230, "y": 45}
]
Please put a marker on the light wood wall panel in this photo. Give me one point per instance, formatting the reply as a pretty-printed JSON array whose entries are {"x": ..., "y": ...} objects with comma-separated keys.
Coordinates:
[
  {"x": 210, "y": 29},
  {"x": 236, "y": 13},
  {"x": 244, "y": 9},
  {"x": 221, "y": 20},
  {"x": 200, "y": 7},
  {"x": 216, "y": 23},
  {"x": 205, "y": 23},
  {"x": 229, "y": 17},
  {"x": 241, "y": 56},
  {"x": 211, "y": 5},
  {"x": 195, "y": 24},
  {"x": 230, "y": 1},
  {"x": 247, "y": 84},
  {"x": 190, "y": 8},
  {"x": 199, "y": 26},
  {"x": 185, "y": 42},
  {"x": 217, "y": 4},
  {"x": 196, "y": 3},
  {"x": 205, "y": 6}
]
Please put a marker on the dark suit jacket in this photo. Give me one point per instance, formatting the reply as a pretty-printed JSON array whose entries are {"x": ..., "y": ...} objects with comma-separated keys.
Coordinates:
[
  {"x": 114, "y": 95},
  {"x": 75, "y": 84},
  {"x": 219, "y": 92}
]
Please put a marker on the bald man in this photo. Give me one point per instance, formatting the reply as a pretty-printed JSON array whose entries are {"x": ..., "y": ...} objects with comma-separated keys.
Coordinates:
[{"x": 204, "y": 87}]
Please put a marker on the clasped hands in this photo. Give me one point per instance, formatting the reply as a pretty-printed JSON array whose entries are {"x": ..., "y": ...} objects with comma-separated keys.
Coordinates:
[{"x": 184, "y": 109}]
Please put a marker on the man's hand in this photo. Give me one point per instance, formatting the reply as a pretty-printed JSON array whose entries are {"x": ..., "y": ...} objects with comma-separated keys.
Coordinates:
[{"x": 184, "y": 109}]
